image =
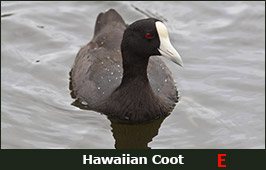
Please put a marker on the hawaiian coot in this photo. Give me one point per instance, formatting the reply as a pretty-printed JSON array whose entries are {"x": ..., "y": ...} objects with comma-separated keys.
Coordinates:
[{"x": 115, "y": 74}]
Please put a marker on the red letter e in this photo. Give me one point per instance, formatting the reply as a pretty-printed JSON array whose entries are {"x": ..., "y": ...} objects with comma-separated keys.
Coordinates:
[{"x": 220, "y": 160}]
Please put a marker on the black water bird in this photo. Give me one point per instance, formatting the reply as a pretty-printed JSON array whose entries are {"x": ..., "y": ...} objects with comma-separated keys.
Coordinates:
[{"x": 118, "y": 74}]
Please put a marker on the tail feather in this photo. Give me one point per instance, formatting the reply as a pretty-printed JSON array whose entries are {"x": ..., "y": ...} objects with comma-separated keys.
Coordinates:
[{"x": 111, "y": 16}]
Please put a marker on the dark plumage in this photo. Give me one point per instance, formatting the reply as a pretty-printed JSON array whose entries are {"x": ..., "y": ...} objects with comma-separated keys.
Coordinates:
[{"x": 127, "y": 84}]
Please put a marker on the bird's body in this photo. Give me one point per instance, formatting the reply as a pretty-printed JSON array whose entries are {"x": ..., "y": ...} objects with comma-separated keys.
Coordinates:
[{"x": 129, "y": 85}]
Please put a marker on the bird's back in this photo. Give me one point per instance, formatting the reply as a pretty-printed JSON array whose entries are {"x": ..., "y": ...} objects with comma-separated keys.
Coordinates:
[{"x": 98, "y": 64}]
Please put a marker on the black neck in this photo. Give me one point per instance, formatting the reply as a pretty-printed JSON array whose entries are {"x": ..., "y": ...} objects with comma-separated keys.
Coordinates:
[
  {"x": 134, "y": 67},
  {"x": 134, "y": 98}
]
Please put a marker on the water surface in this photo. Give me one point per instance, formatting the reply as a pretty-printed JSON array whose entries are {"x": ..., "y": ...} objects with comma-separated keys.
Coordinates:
[{"x": 221, "y": 86}]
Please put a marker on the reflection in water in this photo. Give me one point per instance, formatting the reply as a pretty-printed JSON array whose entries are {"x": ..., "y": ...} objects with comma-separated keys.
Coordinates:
[
  {"x": 126, "y": 134},
  {"x": 135, "y": 136}
]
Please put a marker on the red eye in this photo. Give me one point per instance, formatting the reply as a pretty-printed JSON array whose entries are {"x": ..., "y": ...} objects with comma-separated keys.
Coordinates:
[{"x": 148, "y": 35}]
